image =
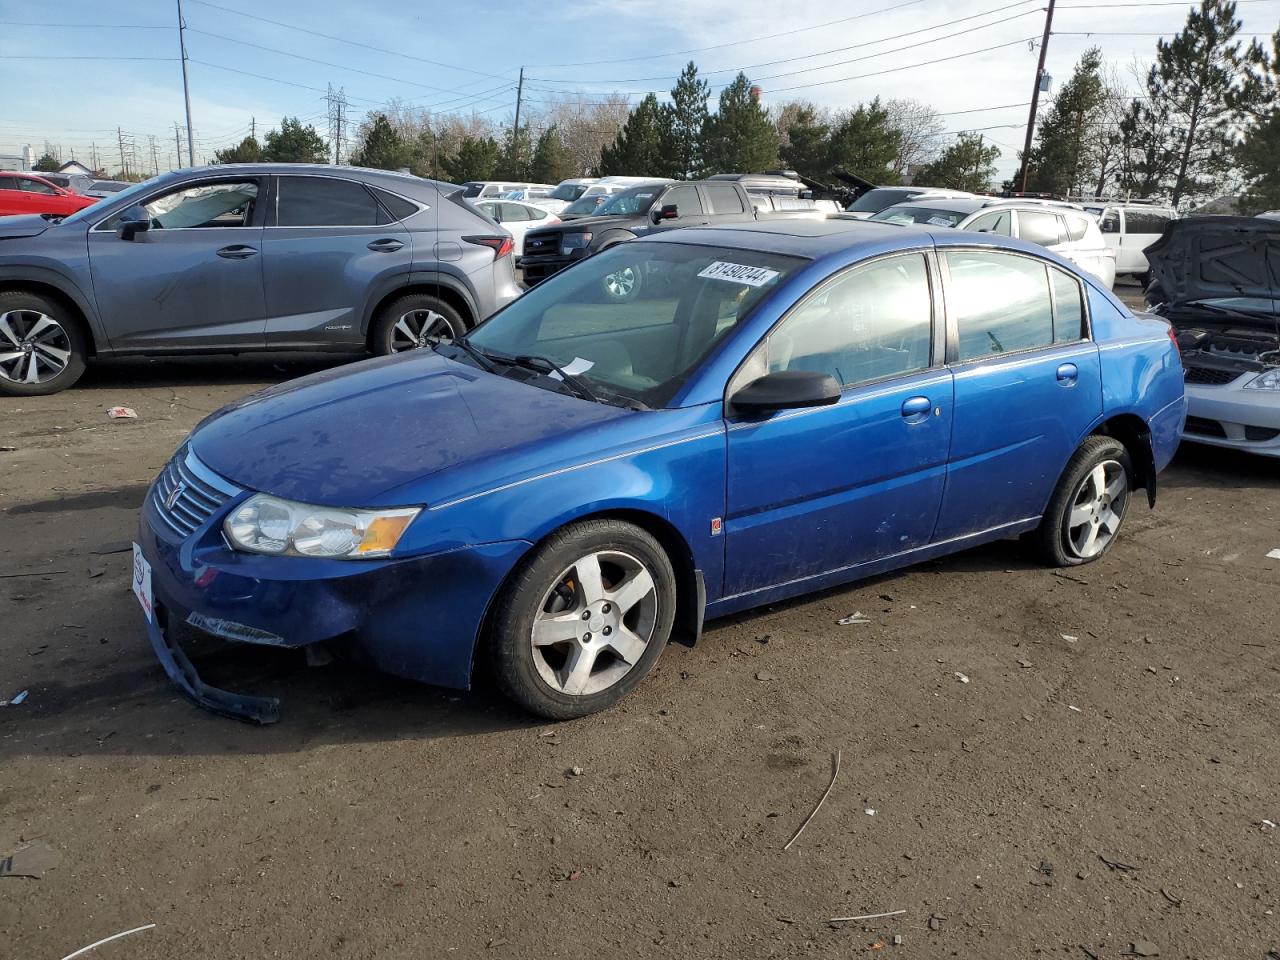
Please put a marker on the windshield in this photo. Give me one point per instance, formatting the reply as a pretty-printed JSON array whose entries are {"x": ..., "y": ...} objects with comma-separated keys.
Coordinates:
[
  {"x": 569, "y": 191},
  {"x": 635, "y": 321},
  {"x": 629, "y": 203},
  {"x": 122, "y": 196},
  {"x": 873, "y": 201},
  {"x": 930, "y": 215},
  {"x": 472, "y": 189},
  {"x": 584, "y": 207}
]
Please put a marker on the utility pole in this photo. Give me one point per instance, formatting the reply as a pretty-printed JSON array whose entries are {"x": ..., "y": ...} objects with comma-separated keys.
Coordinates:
[
  {"x": 253, "y": 128},
  {"x": 120, "y": 139},
  {"x": 186, "y": 90},
  {"x": 1035, "y": 97},
  {"x": 155, "y": 163},
  {"x": 93, "y": 155},
  {"x": 177, "y": 143},
  {"x": 515, "y": 129}
]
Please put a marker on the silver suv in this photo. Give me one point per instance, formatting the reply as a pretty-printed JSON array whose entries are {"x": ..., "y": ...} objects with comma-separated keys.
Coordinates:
[{"x": 241, "y": 258}]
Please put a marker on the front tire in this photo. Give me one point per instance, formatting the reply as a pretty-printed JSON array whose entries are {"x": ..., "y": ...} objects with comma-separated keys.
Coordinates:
[
  {"x": 583, "y": 619},
  {"x": 414, "y": 321},
  {"x": 42, "y": 345},
  {"x": 622, "y": 286},
  {"x": 1088, "y": 505}
]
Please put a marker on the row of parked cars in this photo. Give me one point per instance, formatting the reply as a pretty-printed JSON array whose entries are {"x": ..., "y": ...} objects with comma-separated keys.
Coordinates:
[{"x": 56, "y": 194}]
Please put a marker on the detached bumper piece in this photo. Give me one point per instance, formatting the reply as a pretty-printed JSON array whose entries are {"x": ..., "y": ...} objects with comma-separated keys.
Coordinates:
[{"x": 237, "y": 706}]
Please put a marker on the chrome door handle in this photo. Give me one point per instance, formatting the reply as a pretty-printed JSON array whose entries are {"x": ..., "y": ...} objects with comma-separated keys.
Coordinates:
[
  {"x": 388, "y": 245},
  {"x": 237, "y": 251}
]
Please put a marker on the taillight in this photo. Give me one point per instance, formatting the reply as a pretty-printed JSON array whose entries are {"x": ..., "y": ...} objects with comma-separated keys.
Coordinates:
[{"x": 501, "y": 246}]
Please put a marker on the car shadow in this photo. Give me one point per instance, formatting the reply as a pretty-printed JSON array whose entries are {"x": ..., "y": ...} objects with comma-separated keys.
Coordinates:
[
  {"x": 1200, "y": 463},
  {"x": 197, "y": 371}
]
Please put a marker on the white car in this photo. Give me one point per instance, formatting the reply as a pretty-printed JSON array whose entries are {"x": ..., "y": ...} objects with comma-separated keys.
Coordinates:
[
  {"x": 517, "y": 218},
  {"x": 570, "y": 191},
  {"x": 881, "y": 198},
  {"x": 1214, "y": 279},
  {"x": 1061, "y": 227},
  {"x": 1129, "y": 227},
  {"x": 474, "y": 190}
]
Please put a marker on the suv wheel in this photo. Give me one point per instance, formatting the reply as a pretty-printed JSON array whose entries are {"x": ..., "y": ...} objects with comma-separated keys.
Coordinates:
[
  {"x": 414, "y": 321},
  {"x": 42, "y": 348}
]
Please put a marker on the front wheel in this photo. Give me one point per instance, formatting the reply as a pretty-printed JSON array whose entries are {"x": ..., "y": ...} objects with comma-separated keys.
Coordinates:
[
  {"x": 42, "y": 346},
  {"x": 1088, "y": 505},
  {"x": 583, "y": 620},
  {"x": 414, "y": 321}
]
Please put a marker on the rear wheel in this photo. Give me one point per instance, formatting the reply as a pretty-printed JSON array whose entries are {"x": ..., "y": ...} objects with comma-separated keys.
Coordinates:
[
  {"x": 414, "y": 321},
  {"x": 42, "y": 345},
  {"x": 1088, "y": 505},
  {"x": 583, "y": 620}
]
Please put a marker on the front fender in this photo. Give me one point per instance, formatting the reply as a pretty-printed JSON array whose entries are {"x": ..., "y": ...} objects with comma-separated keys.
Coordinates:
[{"x": 61, "y": 279}]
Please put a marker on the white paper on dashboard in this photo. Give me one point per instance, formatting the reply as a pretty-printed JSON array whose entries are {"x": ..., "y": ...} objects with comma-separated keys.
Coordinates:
[{"x": 574, "y": 367}]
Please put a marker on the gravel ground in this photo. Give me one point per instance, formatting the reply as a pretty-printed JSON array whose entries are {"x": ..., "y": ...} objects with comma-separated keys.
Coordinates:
[{"x": 1126, "y": 713}]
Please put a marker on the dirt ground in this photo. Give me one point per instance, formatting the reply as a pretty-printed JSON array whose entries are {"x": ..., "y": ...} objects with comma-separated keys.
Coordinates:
[{"x": 1127, "y": 713}]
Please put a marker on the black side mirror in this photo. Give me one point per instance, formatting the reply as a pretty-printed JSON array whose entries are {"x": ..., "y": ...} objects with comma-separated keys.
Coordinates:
[
  {"x": 668, "y": 211},
  {"x": 132, "y": 222},
  {"x": 786, "y": 390}
]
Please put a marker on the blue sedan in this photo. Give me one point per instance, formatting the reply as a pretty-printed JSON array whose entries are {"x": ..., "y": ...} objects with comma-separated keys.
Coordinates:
[{"x": 771, "y": 410}]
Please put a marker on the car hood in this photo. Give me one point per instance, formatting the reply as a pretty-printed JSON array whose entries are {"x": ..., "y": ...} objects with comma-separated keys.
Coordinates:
[
  {"x": 1213, "y": 258},
  {"x": 22, "y": 225},
  {"x": 586, "y": 223},
  {"x": 347, "y": 437}
]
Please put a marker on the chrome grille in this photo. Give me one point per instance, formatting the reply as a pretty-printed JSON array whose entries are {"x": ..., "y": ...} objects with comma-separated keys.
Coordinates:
[{"x": 187, "y": 493}]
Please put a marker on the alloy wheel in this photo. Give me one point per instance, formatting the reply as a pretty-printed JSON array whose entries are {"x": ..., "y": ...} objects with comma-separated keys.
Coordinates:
[
  {"x": 420, "y": 328},
  {"x": 595, "y": 623},
  {"x": 1097, "y": 509},
  {"x": 620, "y": 285},
  {"x": 34, "y": 348}
]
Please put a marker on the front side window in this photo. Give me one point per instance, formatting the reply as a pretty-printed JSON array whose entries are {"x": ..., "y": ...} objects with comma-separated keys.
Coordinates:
[
  {"x": 686, "y": 199},
  {"x": 221, "y": 204},
  {"x": 1110, "y": 222},
  {"x": 1001, "y": 223},
  {"x": 630, "y": 203},
  {"x": 1037, "y": 227},
  {"x": 871, "y": 322},
  {"x": 723, "y": 199},
  {"x": 324, "y": 202},
  {"x": 680, "y": 302},
  {"x": 1000, "y": 301}
]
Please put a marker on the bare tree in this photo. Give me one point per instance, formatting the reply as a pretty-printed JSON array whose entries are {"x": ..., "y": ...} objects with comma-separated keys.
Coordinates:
[
  {"x": 922, "y": 133},
  {"x": 586, "y": 123},
  {"x": 1106, "y": 139}
]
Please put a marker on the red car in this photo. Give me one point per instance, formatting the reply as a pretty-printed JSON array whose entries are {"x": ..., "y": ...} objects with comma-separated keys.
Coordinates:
[{"x": 27, "y": 193}]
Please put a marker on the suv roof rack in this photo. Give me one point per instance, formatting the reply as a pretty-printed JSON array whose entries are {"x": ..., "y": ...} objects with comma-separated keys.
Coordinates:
[{"x": 1131, "y": 201}]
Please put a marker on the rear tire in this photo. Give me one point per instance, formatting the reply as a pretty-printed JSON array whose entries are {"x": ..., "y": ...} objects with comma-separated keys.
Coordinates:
[
  {"x": 414, "y": 321},
  {"x": 1088, "y": 506},
  {"x": 42, "y": 345},
  {"x": 583, "y": 619}
]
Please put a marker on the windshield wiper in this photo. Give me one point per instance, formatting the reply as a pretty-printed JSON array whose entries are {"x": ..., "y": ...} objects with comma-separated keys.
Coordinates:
[
  {"x": 475, "y": 354},
  {"x": 533, "y": 361}
]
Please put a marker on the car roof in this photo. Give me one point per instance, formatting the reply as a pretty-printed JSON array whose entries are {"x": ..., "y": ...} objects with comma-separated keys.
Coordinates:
[{"x": 954, "y": 204}]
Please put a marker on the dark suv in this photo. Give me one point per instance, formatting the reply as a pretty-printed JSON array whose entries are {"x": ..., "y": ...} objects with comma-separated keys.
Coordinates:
[
  {"x": 642, "y": 210},
  {"x": 242, "y": 258}
]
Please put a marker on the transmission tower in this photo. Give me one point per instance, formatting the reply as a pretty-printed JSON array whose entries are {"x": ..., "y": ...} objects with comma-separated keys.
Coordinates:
[{"x": 337, "y": 104}]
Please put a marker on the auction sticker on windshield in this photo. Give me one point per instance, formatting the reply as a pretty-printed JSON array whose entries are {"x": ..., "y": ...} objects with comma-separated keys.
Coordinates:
[
  {"x": 142, "y": 583},
  {"x": 738, "y": 273}
]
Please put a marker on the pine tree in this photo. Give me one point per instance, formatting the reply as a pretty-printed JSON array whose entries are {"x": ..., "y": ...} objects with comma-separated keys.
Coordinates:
[
  {"x": 685, "y": 119},
  {"x": 46, "y": 164},
  {"x": 247, "y": 150},
  {"x": 968, "y": 164},
  {"x": 1194, "y": 96},
  {"x": 739, "y": 138},
  {"x": 1063, "y": 159},
  {"x": 808, "y": 148},
  {"x": 551, "y": 162},
  {"x": 294, "y": 143},
  {"x": 637, "y": 149},
  {"x": 476, "y": 159},
  {"x": 865, "y": 144},
  {"x": 515, "y": 157},
  {"x": 383, "y": 146},
  {"x": 1259, "y": 152}
]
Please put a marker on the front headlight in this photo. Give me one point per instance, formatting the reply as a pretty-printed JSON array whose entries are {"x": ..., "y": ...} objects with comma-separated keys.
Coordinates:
[
  {"x": 574, "y": 241},
  {"x": 1265, "y": 381},
  {"x": 266, "y": 524}
]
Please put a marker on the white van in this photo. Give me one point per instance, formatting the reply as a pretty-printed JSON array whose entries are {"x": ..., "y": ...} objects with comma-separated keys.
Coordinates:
[{"x": 1129, "y": 227}]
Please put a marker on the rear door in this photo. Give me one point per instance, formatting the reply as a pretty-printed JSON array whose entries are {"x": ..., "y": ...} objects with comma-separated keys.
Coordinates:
[
  {"x": 194, "y": 279},
  {"x": 1027, "y": 385},
  {"x": 329, "y": 244},
  {"x": 825, "y": 488}
]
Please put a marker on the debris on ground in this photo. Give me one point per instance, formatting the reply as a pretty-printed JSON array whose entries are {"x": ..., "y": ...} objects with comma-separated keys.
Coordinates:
[
  {"x": 1268, "y": 825},
  {"x": 764, "y": 638},
  {"x": 1072, "y": 706},
  {"x": 763, "y": 676},
  {"x": 1045, "y": 868},
  {"x": 897, "y": 939},
  {"x": 1274, "y": 554},
  {"x": 8, "y": 449},
  {"x": 835, "y": 772},
  {"x": 576, "y": 771},
  {"x": 936, "y": 922},
  {"x": 1024, "y": 664},
  {"x": 1142, "y": 948},
  {"x": 122, "y": 413},
  {"x": 870, "y": 811},
  {"x": 1176, "y": 901},
  {"x": 30, "y": 860},
  {"x": 961, "y": 677},
  {"x": 114, "y": 936},
  {"x": 857, "y": 617},
  {"x": 1069, "y": 638},
  {"x": 97, "y": 570},
  {"x": 1117, "y": 865},
  {"x": 113, "y": 546},
  {"x": 17, "y": 700},
  {"x": 867, "y": 916}
]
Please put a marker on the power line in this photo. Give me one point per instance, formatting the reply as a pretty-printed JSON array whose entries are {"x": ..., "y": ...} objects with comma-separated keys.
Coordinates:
[
  {"x": 44, "y": 57},
  {"x": 89, "y": 26}
]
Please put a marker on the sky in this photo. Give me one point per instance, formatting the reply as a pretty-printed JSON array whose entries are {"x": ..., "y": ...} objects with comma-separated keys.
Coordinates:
[{"x": 972, "y": 60}]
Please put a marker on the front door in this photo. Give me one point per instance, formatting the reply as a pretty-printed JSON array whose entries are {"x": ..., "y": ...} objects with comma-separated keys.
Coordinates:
[
  {"x": 1028, "y": 386},
  {"x": 826, "y": 488},
  {"x": 330, "y": 245},
  {"x": 194, "y": 279}
]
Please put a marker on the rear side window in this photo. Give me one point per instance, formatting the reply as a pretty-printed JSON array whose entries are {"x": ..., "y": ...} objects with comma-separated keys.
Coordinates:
[
  {"x": 398, "y": 207},
  {"x": 686, "y": 200},
  {"x": 1145, "y": 221},
  {"x": 1001, "y": 303},
  {"x": 1068, "y": 307},
  {"x": 323, "y": 202},
  {"x": 1077, "y": 226},
  {"x": 1036, "y": 227},
  {"x": 1000, "y": 223},
  {"x": 724, "y": 199}
]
